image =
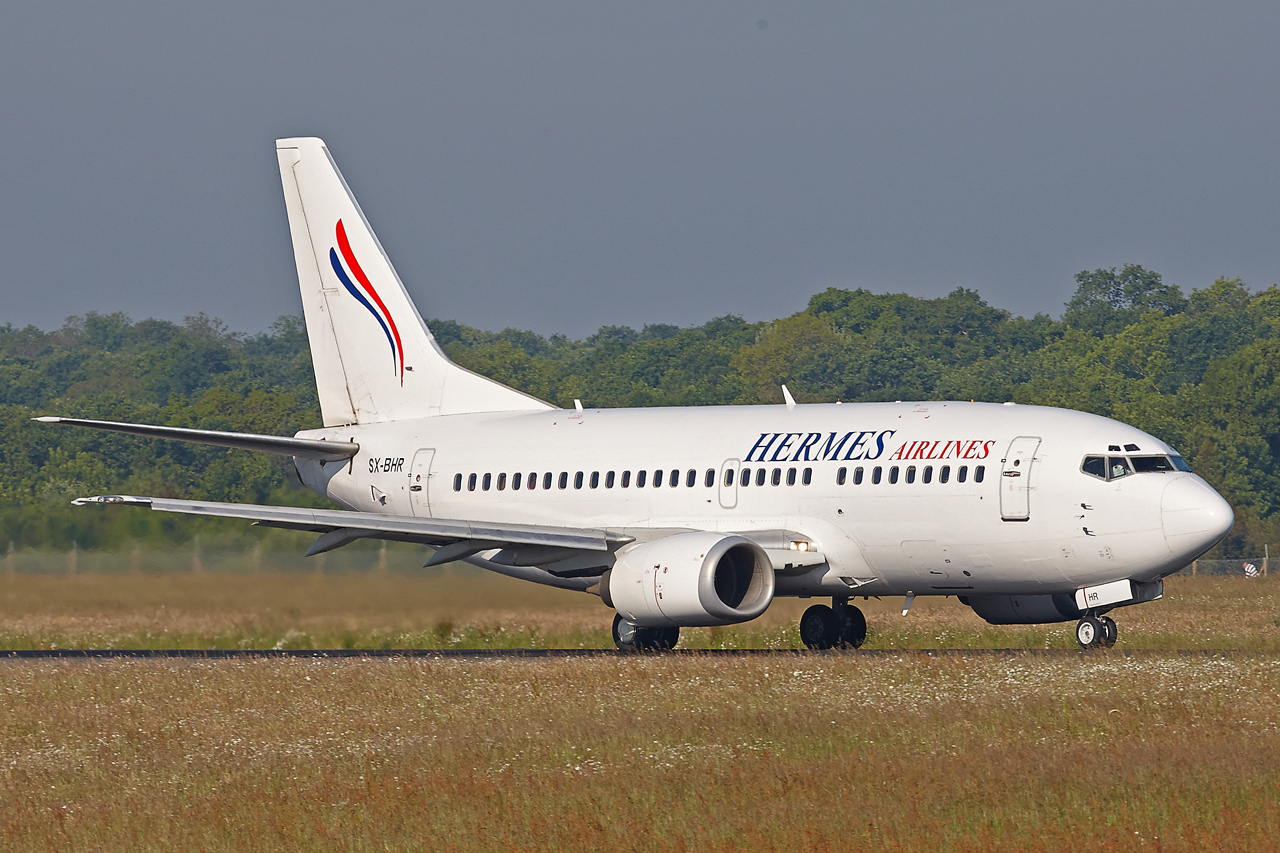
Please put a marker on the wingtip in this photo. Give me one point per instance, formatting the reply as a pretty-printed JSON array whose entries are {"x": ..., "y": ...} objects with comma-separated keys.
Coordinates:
[{"x": 124, "y": 500}]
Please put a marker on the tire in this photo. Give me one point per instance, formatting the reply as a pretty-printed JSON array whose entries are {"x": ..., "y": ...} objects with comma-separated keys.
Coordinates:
[
  {"x": 1088, "y": 632},
  {"x": 1109, "y": 631},
  {"x": 625, "y": 634},
  {"x": 819, "y": 627},
  {"x": 854, "y": 630}
]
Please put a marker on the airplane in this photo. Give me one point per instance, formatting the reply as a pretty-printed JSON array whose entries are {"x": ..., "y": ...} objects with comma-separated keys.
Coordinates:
[{"x": 701, "y": 516}]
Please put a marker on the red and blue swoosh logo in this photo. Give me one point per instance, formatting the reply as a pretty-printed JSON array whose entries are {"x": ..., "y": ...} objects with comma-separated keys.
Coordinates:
[{"x": 366, "y": 295}]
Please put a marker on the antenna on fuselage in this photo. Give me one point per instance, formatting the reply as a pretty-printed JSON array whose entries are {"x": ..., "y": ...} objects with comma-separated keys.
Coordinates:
[{"x": 787, "y": 398}]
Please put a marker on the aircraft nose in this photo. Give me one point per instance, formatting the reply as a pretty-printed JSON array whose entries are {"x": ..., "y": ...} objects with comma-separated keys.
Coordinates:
[{"x": 1195, "y": 517}]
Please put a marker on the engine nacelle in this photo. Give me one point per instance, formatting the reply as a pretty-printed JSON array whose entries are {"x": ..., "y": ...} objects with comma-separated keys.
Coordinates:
[
  {"x": 689, "y": 580},
  {"x": 1023, "y": 609}
]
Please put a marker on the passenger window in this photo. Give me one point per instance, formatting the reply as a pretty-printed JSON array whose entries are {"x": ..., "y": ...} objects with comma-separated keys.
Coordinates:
[
  {"x": 979, "y": 473},
  {"x": 760, "y": 475},
  {"x": 471, "y": 483},
  {"x": 626, "y": 479},
  {"x": 533, "y": 481},
  {"x": 928, "y": 474},
  {"x": 893, "y": 475},
  {"x": 710, "y": 479},
  {"x": 457, "y": 482},
  {"x": 911, "y": 473},
  {"x": 875, "y": 475},
  {"x": 515, "y": 482},
  {"x": 857, "y": 476},
  {"x": 502, "y": 482},
  {"x": 577, "y": 480},
  {"x": 1095, "y": 466},
  {"x": 840, "y": 476},
  {"x": 777, "y": 476},
  {"x": 675, "y": 478},
  {"x": 488, "y": 481},
  {"x": 595, "y": 479},
  {"x": 1117, "y": 467},
  {"x": 808, "y": 476},
  {"x": 962, "y": 474},
  {"x": 1147, "y": 464},
  {"x": 546, "y": 480},
  {"x": 564, "y": 479},
  {"x": 657, "y": 479},
  {"x": 729, "y": 475},
  {"x": 791, "y": 476},
  {"x": 690, "y": 479},
  {"x": 640, "y": 477},
  {"x": 745, "y": 479},
  {"x": 608, "y": 480},
  {"x": 944, "y": 473}
]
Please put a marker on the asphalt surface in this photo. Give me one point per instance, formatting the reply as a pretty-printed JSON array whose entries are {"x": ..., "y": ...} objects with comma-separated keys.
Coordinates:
[{"x": 525, "y": 654}]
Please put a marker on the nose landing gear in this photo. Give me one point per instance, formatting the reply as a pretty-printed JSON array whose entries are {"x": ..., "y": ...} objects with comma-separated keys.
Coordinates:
[
  {"x": 841, "y": 625},
  {"x": 1093, "y": 632}
]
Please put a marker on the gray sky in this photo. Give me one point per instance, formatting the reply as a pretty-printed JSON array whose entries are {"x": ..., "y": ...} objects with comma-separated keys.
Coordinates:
[{"x": 560, "y": 166}]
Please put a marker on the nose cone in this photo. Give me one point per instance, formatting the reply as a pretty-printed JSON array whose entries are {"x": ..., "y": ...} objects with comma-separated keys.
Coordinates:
[{"x": 1195, "y": 517}]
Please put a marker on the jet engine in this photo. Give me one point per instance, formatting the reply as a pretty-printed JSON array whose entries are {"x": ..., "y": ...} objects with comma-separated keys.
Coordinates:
[
  {"x": 690, "y": 579},
  {"x": 1023, "y": 609}
]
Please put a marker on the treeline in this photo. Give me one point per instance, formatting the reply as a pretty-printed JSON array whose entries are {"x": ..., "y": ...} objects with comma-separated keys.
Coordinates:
[{"x": 1198, "y": 370}]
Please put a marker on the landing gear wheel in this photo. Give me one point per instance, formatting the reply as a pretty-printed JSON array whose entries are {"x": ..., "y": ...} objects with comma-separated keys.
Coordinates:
[
  {"x": 624, "y": 634},
  {"x": 660, "y": 639},
  {"x": 853, "y": 632},
  {"x": 1089, "y": 632},
  {"x": 1109, "y": 631},
  {"x": 634, "y": 638},
  {"x": 820, "y": 628}
]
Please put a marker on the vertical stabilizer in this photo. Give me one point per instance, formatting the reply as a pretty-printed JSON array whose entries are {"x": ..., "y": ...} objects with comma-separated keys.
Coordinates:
[{"x": 374, "y": 358}]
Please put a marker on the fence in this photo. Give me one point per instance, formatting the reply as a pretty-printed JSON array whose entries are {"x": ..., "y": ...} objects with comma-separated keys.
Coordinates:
[{"x": 1245, "y": 567}]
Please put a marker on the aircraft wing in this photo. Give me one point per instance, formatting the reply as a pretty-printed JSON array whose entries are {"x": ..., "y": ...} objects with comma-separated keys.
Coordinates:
[{"x": 453, "y": 539}]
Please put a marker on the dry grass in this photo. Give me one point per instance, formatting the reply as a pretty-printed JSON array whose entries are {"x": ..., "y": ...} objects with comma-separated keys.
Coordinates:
[
  {"x": 472, "y": 609},
  {"x": 1159, "y": 752},
  {"x": 810, "y": 753}
]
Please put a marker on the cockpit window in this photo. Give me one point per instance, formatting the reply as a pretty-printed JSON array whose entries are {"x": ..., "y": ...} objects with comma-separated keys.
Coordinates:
[
  {"x": 1144, "y": 464},
  {"x": 1117, "y": 467},
  {"x": 1180, "y": 463},
  {"x": 1095, "y": 466}
]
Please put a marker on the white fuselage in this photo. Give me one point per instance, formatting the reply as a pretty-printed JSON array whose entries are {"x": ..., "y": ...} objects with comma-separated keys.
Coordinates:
[{"x": 938, "y": 498}]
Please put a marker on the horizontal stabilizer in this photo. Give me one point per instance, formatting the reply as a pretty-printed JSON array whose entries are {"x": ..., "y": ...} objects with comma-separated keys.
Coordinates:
[{"x": 240, "y": 440}]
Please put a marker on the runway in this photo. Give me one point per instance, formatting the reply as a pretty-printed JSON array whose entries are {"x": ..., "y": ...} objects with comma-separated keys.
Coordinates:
[{"x": 531, "y": 654}]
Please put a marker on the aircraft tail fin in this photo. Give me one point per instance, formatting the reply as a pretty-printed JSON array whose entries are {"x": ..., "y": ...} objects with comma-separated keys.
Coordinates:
[{"x": 374, "y": 358}]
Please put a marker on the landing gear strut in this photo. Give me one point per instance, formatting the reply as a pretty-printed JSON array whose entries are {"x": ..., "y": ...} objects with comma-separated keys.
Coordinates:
[
  {"x": 637, "y": 638},
  {"x": 840, "y": 626},
  {"x": 1094, "y": 632}
]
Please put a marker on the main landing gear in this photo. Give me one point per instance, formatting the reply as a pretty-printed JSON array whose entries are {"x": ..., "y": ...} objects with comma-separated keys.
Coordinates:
[
  {"x": 840, "y": 626},
  {"x": 1096, "y": 632},
  {"x": 636, "y": 638}
]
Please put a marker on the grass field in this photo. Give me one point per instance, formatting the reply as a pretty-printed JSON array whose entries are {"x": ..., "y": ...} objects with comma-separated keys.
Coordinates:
[
  {"x": 808, "y": 752},
  {"x": 472, "y": 609}
]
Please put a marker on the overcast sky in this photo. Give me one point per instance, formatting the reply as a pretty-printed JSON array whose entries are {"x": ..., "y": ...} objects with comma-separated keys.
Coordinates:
[{"x": 560, "y": 166}]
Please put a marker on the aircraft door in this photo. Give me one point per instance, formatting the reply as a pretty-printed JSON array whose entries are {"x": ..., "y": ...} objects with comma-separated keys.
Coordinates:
[
  {"x": 729, "y": 483},
  {"x": 1015, "y": 478},
  {"x": 419, "y": 482}
]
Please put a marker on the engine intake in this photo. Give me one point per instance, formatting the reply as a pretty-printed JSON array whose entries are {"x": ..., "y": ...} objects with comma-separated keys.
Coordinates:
[{"x": 690, "y": 580}]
